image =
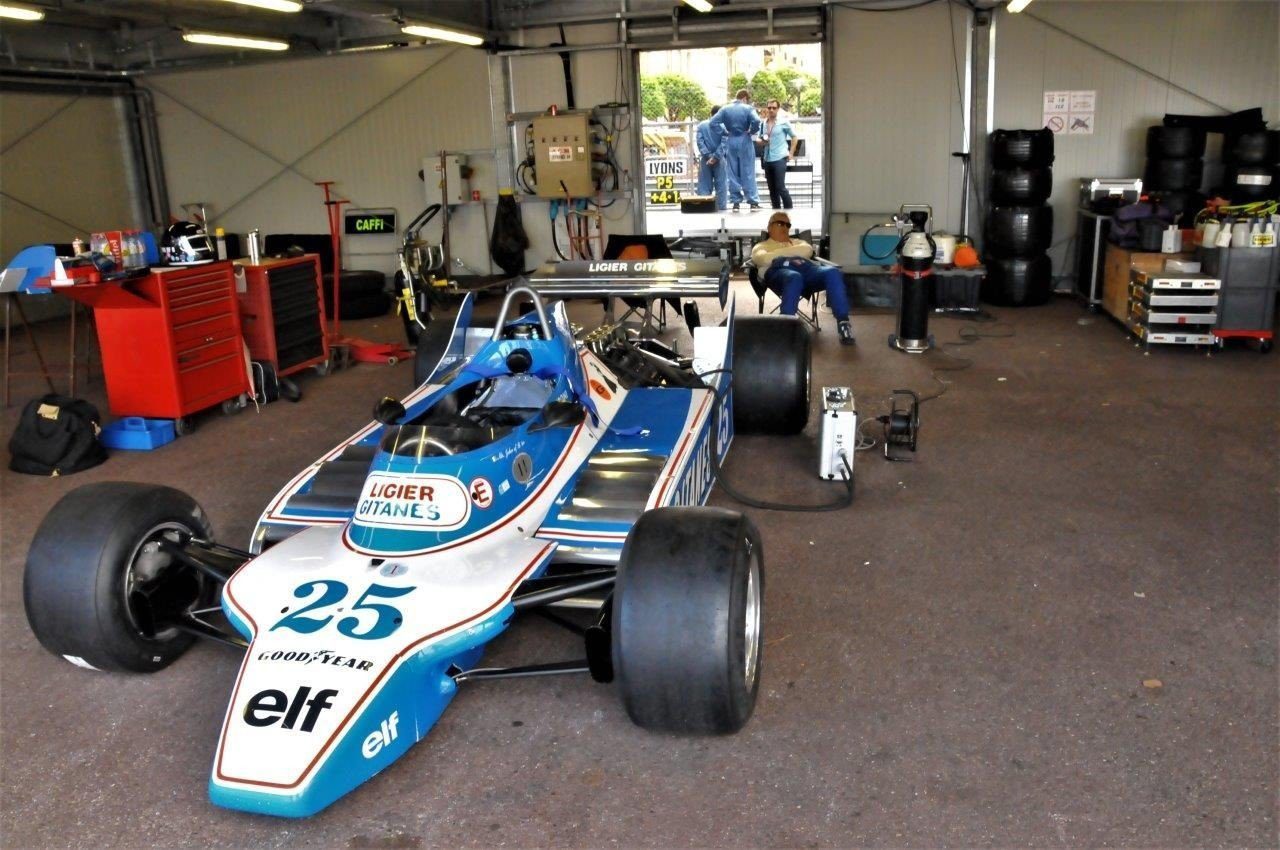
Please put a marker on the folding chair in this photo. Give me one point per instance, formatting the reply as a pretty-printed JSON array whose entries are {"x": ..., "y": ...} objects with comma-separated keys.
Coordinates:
[{"x": 756, "y": 279}]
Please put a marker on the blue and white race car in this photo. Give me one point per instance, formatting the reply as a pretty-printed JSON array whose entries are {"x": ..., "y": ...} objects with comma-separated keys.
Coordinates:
[{"x": 532, "y": 468}]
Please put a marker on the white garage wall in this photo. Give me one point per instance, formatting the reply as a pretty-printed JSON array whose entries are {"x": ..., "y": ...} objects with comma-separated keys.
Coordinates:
[
  {"x": 1228, "y": 53},
  {"x": 599, "y": 76},
  {"x": 64, "y": 172},
  {"x": 896, "y": 116},
  {"x": 252, "y": 141}
]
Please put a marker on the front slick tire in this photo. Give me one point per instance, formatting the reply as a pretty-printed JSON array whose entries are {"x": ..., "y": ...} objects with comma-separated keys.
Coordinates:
[
  {"x": 687, "y": 609},
  {"x": 90, "y": 565}
]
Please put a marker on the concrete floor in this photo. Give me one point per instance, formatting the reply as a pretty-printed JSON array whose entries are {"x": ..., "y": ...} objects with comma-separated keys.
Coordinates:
[{"x": 957, "y": 660}]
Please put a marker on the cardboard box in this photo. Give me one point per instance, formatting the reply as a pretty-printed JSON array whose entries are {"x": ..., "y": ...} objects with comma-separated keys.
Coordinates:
[{"x": 1115, "y": 276}]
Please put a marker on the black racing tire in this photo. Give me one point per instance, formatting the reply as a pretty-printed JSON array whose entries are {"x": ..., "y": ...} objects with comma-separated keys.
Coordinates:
[
  {"x": 772, "y": 359},
  {"x": 1182, "y": 205},
  {"x": 432, "y": 344},
  {"x": 1175, "y": 142},
  {"x": 365, "y": 306},
  {"x": 84, "y": 557},
  {"x": 1261, "y": 147},
  {"x": 1173, "y": 174},
  {"x": 355, "y": 282},
  {"x": 1021, "y": 186},
  {"x": 1022, "y": 148},
  {"x": 1246, "y": 183},
  {"x": 686, "y": 620},
  {"x": 1019, "y": 231},
  {"x": 1014, "y": 282}
]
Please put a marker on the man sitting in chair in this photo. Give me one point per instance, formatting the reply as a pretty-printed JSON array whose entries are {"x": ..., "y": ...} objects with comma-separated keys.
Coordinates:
[{"x": 788, "y": 267}]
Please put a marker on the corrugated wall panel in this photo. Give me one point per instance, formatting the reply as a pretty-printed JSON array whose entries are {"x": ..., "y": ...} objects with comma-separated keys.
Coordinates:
[
  {"x": 896, "y": 115},
  {"x": 252, "y": 141},
  {"x": 1228, "y": 53}
]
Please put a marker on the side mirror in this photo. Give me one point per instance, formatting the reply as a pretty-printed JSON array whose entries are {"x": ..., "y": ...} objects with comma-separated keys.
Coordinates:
[{"x": 388, "y": 411}]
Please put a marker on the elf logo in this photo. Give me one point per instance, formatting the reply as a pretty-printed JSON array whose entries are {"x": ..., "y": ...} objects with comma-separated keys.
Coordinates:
[
  {"x": 271, "y": 706},
  {"x": 382, "y": 737}
]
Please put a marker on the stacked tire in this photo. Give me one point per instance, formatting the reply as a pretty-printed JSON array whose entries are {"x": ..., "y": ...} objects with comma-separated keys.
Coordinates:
[
  {"x": 1252, "y": 166},
  {"x": 1019, "y": 227},
  {"x": 1175, "y": 170}
]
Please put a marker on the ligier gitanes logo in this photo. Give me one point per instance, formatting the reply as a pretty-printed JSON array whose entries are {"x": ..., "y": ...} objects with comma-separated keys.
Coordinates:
[{"x": 413, "y": 502}]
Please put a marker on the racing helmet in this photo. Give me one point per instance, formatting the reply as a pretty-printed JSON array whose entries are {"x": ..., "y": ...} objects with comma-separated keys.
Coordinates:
[{"x": 187, "y": 243}]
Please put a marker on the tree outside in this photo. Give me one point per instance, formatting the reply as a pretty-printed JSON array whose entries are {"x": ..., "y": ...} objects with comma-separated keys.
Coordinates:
[
  {"x": 684, "y": 97},
  {"x": 766, "y": 86},
  {"x": 737, "y": 82},
  {"x": 653, "y": 102}
]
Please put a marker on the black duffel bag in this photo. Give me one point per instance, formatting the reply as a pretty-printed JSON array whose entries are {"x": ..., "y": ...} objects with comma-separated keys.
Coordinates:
[{"x": 56, "y": 435}]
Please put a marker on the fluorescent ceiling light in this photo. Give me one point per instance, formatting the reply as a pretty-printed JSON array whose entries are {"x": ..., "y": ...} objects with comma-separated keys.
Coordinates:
[
  {"x": 20, "y": 13},
  {"x": 234, "y": 41},
  {"x": 456, "y": 36},
  {"x": 700, "y": 5},
  {"x": 1017, "y": 6},
  {"x": 364, "y": 48},
  {"x": 273, "y": 5}
]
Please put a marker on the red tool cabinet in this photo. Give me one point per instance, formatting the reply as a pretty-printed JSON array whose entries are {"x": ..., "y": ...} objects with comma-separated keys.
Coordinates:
[
  {"x": 280, "y": 312},
  {"x": 170, "y": 341}
]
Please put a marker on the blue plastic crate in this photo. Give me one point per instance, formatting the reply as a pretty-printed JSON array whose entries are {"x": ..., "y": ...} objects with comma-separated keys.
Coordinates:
[{"x": 135, "y": 432}]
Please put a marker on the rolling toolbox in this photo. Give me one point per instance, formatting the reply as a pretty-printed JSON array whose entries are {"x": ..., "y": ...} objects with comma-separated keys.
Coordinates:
[
  {"x": 170, "y": 340},
  {"x": 281, "y": 311}
]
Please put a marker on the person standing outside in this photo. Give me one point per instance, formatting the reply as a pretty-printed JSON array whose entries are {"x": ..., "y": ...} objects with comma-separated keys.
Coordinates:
[
  {"x": 780, "y": 147},
  {"x": 789, "y": 269},
  {"x": 740, "y": 125},
  {"x": 712, "y": 167}
]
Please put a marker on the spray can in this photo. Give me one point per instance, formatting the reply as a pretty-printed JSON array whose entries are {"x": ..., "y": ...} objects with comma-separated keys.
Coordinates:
[
  {"x": 220, "y": 242},
  {"x": 255, "y": 253}
]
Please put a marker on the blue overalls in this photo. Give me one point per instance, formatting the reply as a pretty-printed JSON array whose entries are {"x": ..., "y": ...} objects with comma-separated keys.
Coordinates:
[
  {"x": 740, "y": 124},
  {"x": 711, "y": 144}
]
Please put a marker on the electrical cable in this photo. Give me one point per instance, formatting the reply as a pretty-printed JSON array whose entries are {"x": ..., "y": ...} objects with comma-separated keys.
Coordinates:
[
  {"x": 967, "y": 335},
  {"x": 718, "y": 473}
]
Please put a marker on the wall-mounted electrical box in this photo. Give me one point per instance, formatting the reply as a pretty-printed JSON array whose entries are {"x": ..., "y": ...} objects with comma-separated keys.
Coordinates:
[
  {"x": 446, "y": 179},
  {"x": 562, "y": 155}
]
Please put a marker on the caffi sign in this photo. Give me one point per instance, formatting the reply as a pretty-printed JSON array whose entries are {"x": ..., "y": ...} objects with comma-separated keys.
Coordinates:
[{"x": 435, "y": 502}]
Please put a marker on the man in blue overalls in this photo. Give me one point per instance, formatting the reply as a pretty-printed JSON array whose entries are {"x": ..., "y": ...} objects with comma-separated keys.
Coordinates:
[
  {"x": 740, "y": 124},
  {"x": 711, "y": 171}
]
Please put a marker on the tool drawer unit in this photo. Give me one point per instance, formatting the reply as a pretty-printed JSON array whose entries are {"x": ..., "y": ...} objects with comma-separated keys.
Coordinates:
[
  {"x": 170, "y": 341},
  {"x": 280, "y": 310},
  {"x": 1173, "y": 308}
]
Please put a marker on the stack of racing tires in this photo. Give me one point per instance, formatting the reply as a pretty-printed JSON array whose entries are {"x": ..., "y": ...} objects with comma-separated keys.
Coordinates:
[
  {"x": 1019, "y": 228},
  {"x": 1175, "y": 170},
  {"x": 1252, "y": 166}
]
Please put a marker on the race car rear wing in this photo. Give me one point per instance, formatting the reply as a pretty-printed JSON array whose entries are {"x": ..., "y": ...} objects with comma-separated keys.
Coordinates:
[{"x": 646, "y": 279}]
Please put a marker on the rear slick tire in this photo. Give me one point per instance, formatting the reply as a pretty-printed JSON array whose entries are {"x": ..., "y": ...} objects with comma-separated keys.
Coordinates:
[
  {"x": 772, "y": 363},
  {"x": 687, "y": 613}
]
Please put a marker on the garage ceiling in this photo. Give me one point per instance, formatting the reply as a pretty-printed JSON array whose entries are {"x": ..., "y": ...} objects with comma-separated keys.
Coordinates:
[{"x": 139, "y": 35}]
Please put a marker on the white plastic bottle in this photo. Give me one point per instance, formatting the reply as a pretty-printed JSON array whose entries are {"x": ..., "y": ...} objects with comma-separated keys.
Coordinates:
[{"x": 220, "y": 242}]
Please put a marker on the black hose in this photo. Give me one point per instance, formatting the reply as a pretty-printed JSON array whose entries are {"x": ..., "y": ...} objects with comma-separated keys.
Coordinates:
[
  {"x": 843, "y": 502},
  {"x": 862, "y": 243}
]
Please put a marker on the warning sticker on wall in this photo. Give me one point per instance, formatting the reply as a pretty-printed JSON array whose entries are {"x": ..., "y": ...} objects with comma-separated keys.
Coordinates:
[{"x": 1070, "y": 112}]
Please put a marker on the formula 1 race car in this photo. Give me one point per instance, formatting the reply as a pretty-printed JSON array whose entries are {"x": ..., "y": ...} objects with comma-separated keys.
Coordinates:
[{"x": 529, "y": 470}]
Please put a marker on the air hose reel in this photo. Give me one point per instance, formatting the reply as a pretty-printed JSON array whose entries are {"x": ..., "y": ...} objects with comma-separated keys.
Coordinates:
[{"x": 901, "y": 425}]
